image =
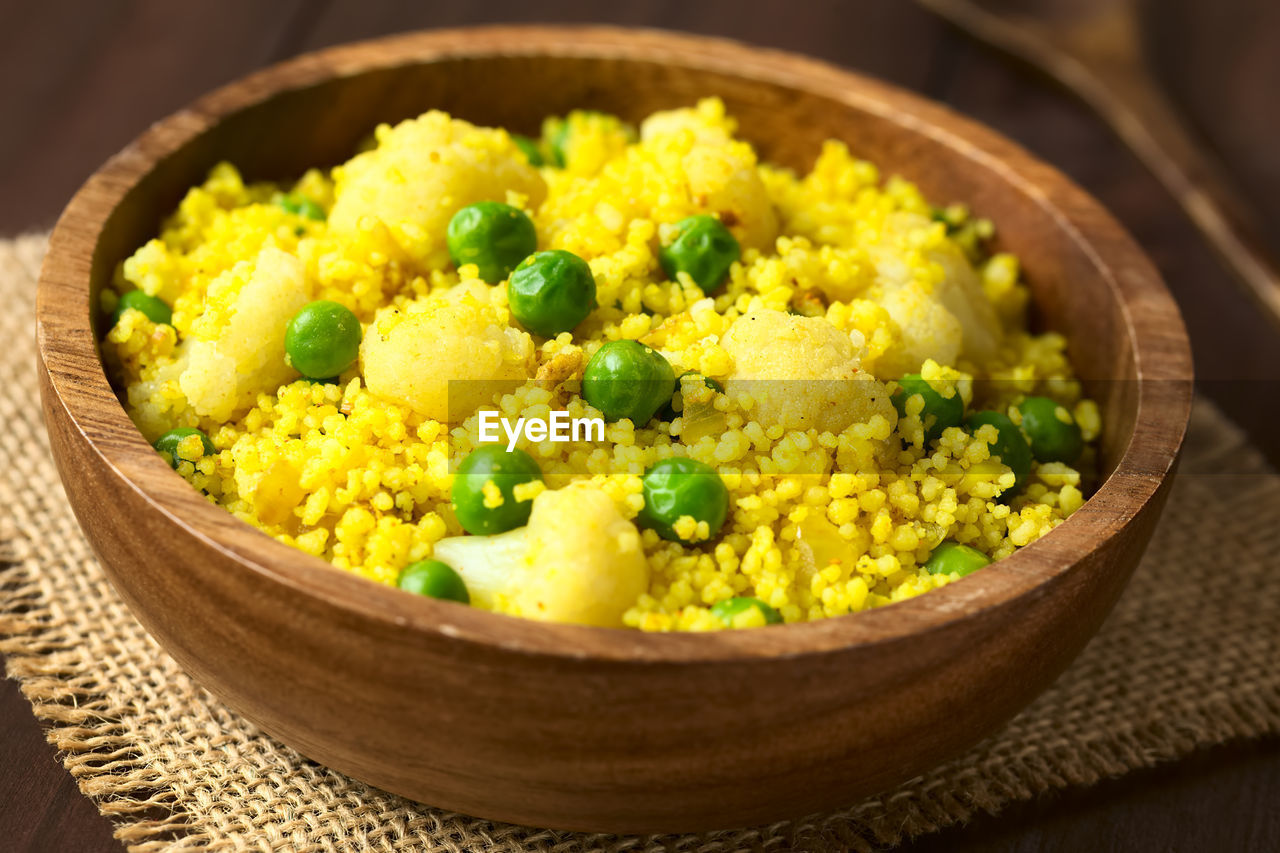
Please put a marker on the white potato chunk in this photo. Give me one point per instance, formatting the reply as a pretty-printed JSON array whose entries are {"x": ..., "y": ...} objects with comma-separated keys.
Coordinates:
[{"x": 802, "y": 373}]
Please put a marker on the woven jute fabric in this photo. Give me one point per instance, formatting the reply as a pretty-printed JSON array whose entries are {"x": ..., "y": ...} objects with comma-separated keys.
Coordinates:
[{"x": 1187, "y": 659}]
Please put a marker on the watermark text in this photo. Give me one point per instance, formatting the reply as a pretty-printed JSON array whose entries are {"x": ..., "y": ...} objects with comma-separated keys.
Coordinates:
[{"x": 559, "y": 426}]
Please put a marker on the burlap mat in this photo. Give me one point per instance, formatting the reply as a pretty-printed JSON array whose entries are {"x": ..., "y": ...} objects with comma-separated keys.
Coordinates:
[{"x": 1188, "y": 659}]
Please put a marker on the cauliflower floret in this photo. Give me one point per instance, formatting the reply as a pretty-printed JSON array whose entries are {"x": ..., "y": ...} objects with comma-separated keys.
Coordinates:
[
  {"x": 953, "y": 318},
  {"x": 720, "y": 172},
  {"x": 446, "y": 355},
  {"x": 927, "y": 331},
  {"x": 237, "y": 348},
  {"x": 421, "y": 172},
  {"x": 961, "y": 293},
  {"x": 769, "y": 348},
  {"x": 707, "y": 120},
  {"x": 486, "y": 563},
  {"x": 960, "y": 290},
  {"x": 724, "y": 179},
  {"x": 578, "y": 560},
  {"x": 584, "y": 564}
]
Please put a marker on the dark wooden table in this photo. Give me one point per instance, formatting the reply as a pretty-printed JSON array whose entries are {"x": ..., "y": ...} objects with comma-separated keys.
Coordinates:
[{"x": 82, "y": 78}]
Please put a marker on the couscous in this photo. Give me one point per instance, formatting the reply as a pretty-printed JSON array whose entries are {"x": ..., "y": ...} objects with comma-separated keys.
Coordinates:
[{"x": 803, "y": 395}]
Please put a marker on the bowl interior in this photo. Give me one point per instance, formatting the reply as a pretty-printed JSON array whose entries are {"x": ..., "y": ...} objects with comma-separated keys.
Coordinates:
[
  {"x": 320, "y": 124},
  {"x": 1090, "y": 282}
]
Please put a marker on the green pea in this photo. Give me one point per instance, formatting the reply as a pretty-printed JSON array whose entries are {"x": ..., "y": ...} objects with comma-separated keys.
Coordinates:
[
  {"x": 322, "y": 340},
  {"x": 156, "y": 309},
  {"x": 953, "y": 558},
  {"x": 551, "y": 292},
  {"x": 168, "y": 443},
  {"x": 948, "y": 217},
  {"x": 626, "y": 379},
  {"x": 939, "y": 411},
  {"x": 528, "y": 148},
  {"x": 676, "y": 407},
  {"x": 704, "y": 249},
  {"x": 1010, "y": 447},
  {"x": 434, "y": 579},
  {"x": 727, "y": 610},
  {"x": 558, "y": 142},
  {"x": 300, "y": 206},
  {"x": 493, "y": 236},
  {"x": 1052, "y": 432},
  {"x": 706, "y": 380},
  {"x": 506, "y": 469},
  {"x": 679, "y": 486}
]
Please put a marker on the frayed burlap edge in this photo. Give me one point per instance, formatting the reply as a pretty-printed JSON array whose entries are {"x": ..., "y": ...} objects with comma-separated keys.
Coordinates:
[{"x": 1185, "y": 661}]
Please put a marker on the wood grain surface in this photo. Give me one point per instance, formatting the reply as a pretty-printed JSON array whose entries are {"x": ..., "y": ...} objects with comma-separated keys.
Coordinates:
[
  {"x": 60, "y": 133},
  {"x": 1096, "y": 50}
]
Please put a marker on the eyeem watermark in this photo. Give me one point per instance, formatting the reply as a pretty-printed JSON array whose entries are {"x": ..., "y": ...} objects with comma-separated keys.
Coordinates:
[{"x": 560, "y": 426}]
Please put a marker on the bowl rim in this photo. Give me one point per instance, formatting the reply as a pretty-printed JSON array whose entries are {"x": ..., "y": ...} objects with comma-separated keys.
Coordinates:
[{"x": 77, "y": 381}]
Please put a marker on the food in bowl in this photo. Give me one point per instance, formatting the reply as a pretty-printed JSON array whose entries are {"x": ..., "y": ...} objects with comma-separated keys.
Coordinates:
[{"x": 783, "y": 397}]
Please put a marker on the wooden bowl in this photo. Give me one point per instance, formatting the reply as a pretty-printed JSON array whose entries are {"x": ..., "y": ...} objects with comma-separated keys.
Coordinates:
[{"x": 594, "y": 729}]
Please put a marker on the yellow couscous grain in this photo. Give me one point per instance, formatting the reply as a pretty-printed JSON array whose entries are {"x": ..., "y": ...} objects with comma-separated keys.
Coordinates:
[{"x": 845, "y": 283}]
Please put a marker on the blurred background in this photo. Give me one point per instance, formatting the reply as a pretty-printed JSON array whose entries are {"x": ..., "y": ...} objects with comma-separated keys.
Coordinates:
[{"x": 80, "y": 78}]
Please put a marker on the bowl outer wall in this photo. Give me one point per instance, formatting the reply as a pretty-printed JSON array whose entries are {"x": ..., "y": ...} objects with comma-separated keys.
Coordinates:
[{"x": 584, "y": 728}]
